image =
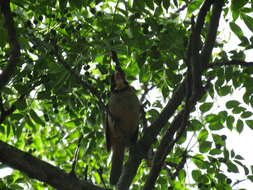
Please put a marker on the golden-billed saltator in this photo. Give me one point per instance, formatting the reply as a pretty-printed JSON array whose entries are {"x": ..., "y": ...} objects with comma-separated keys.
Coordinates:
[{"x": 122, "y": 122}]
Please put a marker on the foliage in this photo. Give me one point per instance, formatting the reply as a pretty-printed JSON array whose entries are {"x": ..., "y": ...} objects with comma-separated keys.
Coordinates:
[{"x": 65, "y": 41}]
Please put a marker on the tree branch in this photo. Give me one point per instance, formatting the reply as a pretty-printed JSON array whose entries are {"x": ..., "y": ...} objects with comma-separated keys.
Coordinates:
[
  {"x": 197, "y": 67},
  {"x": 212, "y": 32},
  {"x": 150, "y": 134},
  {"x": 167, "y": 142},
  {"x": 41, "y": 170},
  {"x": 9, "y": 71}
]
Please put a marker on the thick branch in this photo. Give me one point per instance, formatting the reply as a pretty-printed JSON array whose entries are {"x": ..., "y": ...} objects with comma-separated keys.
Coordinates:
[
  {"x": 212, "y": 32},
  {"x": 9, "y": 71},
  {"x": 196, "y": 33},
  {"x": 167, "y": 142},
  {"x": 41, "y": 170}
]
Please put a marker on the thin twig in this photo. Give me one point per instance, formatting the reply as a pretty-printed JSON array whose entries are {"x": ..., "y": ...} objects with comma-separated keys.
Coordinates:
[
  {"x": 100, "y": 172},
  {"x": 76, "y": 155}
]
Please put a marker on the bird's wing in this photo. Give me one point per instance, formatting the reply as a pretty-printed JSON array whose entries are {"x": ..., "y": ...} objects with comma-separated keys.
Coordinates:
[{"x": 107, "y": 133}]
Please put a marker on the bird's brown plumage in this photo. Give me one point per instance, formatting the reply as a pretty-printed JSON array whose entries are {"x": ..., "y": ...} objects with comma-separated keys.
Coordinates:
[{"x": 121, "y": 124}]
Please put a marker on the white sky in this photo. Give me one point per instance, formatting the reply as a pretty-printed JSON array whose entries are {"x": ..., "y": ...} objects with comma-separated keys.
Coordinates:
[{"x": 240, "y": 143}]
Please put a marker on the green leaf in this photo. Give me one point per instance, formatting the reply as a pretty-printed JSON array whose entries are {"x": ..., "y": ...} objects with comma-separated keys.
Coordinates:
[
  {"x": 248, "y": 21},
  {"x": 150, "y": 4},
  {"x": 196, "y": 174},
  {"x": 239, "y": 126},
  {"x": 63, "y": 4},
  {"x": 76, "y": 3},
  {"x": 238, "y": 4},
  {"x": 230, "y": 122},
  {"x": 205, "y": 146},
  {"x": 235, "y": 14},
  {"x": 193, "y": 6},
  {"x": 203, "y": 135},
  {"x": 215, "y": 151},
  {"x": 225, "y": 90},
  {"x": 246, "y": 114},
  {"x": 232, "y": 154},
  {"x": 236, "y": 29},
  {"x": 238, "y": 110},
  {"x": 119, "y": 19},
  {"x": 44, "y": 95},
  {"x": 7, "y": 90},
  {"x": 250, "y": 177},
  {"x": 239, "y": 157},
  {"x": 139, "y": 4},
  {"x": 36, "y": 118},
  {"x": 250, "y": 123},
  {"x": 212, "y": 118},
  {"x": 218, "y": 140},
  {"x": 232, "y": 167},
  {"x": 2, "y": 129},
  {"x": 30, "y": 123},
  {"x": 20, "y": 104},
  {"x": 215, "y": 126},
  {"x": 205, "y": 107},
  {"x": 198, "y": 160},
  {"x": 195, "y": 125}
]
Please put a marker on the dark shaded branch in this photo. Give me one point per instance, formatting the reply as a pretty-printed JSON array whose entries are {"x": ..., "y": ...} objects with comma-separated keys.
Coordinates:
[
  {"x": 9, "y": 71},
  {"x": 230, "y": 63},
  {"x": 167, "y": 142},
  {"x": 199, "y": 26},
  {"x": 212, "y": 32},
  {"x": 41, "y": 170},
  {"x": 196, "y": 41},
  {"x": 162, "y": 151}
]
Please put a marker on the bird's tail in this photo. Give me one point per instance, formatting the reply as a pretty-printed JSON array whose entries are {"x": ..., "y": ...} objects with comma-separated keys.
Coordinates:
[{"x": 117, "y": 163}]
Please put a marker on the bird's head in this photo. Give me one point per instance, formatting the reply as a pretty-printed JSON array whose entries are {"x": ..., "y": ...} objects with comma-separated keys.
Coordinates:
[{"x": 118, "y": 80}]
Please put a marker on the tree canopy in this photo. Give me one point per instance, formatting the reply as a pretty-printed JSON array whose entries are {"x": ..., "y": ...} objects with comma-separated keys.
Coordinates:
[{"x": 56, "y": 59}]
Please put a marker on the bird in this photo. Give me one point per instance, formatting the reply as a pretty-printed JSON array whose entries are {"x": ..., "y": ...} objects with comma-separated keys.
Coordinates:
[{"x": 122, "y": 122}]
